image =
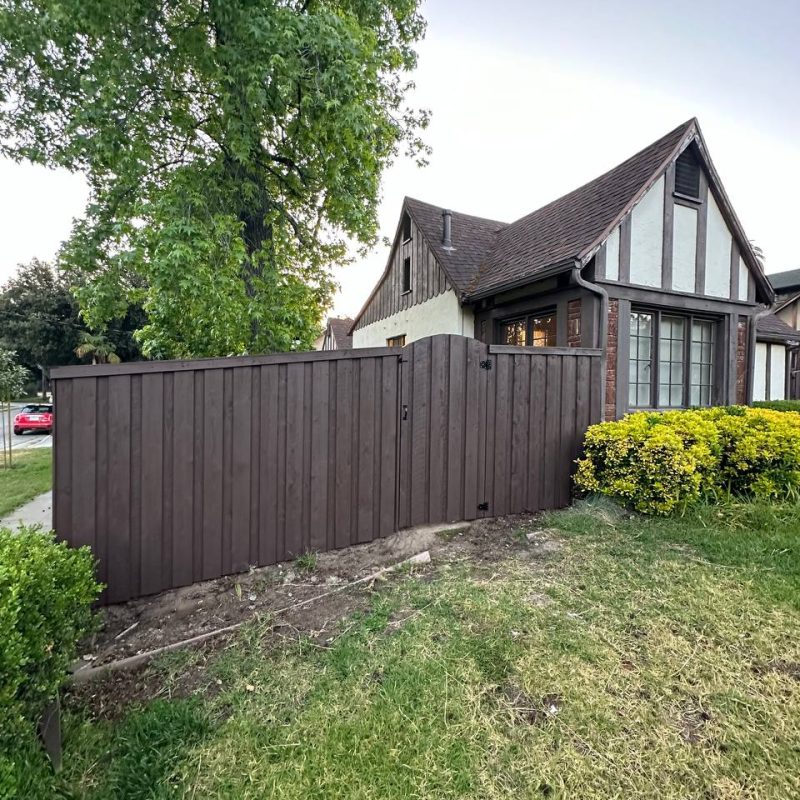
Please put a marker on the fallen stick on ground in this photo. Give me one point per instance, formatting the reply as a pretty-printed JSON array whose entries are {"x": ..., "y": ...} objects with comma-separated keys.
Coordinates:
[{"x": 85, "y": 673}]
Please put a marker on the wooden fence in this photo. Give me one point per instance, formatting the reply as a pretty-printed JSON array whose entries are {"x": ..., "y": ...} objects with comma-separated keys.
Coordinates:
[{"x": 180, "y": 471}]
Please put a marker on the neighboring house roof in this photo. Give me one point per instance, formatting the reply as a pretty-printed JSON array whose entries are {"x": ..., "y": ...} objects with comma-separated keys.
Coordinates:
[
  {"x": 340, "y": 332},
  {"x": 784, "y": 282},
  {"x": 491, "y": 256},
  {"x": 774, "y": 329}
]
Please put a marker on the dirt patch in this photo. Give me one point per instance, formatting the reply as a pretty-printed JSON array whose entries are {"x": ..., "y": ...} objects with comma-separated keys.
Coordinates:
[
  {"x": 529, "y": 710},
  {"x": 269, "y": 594},
  {"x": 789, "y": 668},
  {"x": 692, "y": 724}
]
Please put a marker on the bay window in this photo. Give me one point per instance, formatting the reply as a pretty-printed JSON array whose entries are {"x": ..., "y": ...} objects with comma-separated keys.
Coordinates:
[{"x": 671, "y": 362}]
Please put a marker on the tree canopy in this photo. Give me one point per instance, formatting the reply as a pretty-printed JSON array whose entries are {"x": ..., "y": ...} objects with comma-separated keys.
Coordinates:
[
  {"x": 40, "y": 320},
  {"x": 232, "y": 148}
]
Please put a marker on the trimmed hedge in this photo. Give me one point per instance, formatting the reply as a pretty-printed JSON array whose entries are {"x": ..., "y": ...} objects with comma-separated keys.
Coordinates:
[
  {"x": 779, "y": 405},
  {"x": 662, "y": 462},
  {"x": 46, "y": 595}
]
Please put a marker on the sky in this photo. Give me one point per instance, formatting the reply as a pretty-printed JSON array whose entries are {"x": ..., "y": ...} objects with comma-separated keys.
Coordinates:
[{"x": 531, "y": 99}]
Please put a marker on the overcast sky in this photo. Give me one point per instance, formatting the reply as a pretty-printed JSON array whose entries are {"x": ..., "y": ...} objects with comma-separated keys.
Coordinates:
[{"x": 532, "y": 99}]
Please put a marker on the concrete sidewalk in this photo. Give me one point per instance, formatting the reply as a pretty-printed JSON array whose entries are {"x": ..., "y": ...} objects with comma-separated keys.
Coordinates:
[{"x": 38, "y": 511}]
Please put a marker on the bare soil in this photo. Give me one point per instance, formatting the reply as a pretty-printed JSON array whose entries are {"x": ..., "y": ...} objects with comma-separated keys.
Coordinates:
[
  {"x": 153, "y": 622},
  {"x": 270, "y": 593}
]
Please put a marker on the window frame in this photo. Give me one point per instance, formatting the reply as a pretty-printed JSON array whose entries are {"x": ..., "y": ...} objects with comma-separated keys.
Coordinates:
[
  {"x": 406, "y": 281},
  {"x": 396, "y": 341},
  {"x": 529, "y": 319},
  {"x": 689, "y": 319}
]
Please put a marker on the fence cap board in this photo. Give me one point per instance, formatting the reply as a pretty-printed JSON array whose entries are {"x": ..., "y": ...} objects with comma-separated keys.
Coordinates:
[
  {"x": 182, "y": 365},
  {"x": 513, "y": 349}
]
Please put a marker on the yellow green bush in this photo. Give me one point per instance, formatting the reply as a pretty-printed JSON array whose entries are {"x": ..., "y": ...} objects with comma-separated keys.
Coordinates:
[{"x": 660, "y": 462}]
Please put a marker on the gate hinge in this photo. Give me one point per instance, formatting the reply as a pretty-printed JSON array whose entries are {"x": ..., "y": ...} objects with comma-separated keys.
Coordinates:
[
  {"x": 486, "y": 364},
  {"x": 483, "y": 506}
]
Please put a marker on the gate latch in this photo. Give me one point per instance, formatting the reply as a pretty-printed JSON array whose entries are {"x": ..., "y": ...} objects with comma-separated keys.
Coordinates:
[
  {"x": 483, "y": 506},
  {"x": 486, "y": 364}
]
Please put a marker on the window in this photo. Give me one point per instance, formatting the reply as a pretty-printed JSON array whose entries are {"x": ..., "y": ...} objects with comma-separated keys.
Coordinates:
[
  {"x": 407, "y": 274},
  {"x": 671, "y": 363},
  {"x": 396, "y": 341},
  {"x": 687, "y": 175},
  {"x": 536, "y": 330},
  {"x": 406, "y": 227}
]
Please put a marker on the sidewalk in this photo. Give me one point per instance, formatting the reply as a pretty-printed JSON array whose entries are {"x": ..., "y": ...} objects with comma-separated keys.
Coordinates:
[{"x": 38, "y": 511}]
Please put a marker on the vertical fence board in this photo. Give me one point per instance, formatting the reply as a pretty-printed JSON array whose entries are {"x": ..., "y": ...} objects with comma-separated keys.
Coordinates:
[
  {"x": 183, "y": 460},
  {"x": 119, "y": 488},
  {"x": 175, "y": 473}
]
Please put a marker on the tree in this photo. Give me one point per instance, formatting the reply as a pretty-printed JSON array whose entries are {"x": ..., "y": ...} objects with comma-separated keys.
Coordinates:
[
  {"x": 12, "y": 381},
  {"x": 40, "y": 320},
  {"x": 98, "y": 347},
  {"x": 232, "y": 148},
  {"x": 39, "y": 317}
]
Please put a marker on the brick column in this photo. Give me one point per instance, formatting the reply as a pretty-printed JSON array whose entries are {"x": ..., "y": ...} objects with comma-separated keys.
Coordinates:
[
  {"x": 741, "y": 361},
  {"x": 611, "y": 360}
]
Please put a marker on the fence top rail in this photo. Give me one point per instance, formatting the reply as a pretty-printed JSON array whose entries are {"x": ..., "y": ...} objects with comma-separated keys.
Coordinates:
[
  {"x": 183, "y": 365},
  {"x": 512, "y": 349}
]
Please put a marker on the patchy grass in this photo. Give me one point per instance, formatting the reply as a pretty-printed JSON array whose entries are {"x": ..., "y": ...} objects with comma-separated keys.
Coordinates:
[
  {"x": 306, "y": 562},
  {"x": 645, "y": 658},
  {"x": 31, "y": 475}
]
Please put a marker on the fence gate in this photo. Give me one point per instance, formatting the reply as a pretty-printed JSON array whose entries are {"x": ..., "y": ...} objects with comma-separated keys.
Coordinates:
[{"x": 175, "y": 472}]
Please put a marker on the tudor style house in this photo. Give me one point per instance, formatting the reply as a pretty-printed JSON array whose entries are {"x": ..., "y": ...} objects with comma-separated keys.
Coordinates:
[{"x": 648, "y": 262}]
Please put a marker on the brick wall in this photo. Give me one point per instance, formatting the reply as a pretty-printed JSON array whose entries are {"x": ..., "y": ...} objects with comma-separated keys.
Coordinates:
[
  {"x": 574, "y": 323},
  {"x": 741, "y": 361},
  {"x": 611, "y": 351}
]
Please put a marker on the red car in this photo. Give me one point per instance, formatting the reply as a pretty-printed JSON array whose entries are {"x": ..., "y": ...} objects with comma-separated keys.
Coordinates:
[{"x": 36, "y": 417}]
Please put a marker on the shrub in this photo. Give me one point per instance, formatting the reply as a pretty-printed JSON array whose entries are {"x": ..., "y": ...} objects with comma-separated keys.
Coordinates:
[
  {"x": 660, "y": 462},
  {"x": 46, "y": 594},
  {"x": 779, "y": 405}
]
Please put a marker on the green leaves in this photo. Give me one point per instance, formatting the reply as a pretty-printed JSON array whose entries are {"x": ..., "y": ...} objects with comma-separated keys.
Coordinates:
[{"x": 232, "y": 148}]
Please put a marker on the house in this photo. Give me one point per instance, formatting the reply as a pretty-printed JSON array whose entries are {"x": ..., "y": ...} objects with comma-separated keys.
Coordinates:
[
  {"x": 648, "y": 262},
  {"x": 777, "y": 366},
  {"x": 337, "y": 334}
]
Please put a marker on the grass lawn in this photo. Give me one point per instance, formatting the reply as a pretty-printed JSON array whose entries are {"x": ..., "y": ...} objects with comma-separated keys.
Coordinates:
[
  {"x": 644, "y": 658},
  {"x": 31, "y": 475}
]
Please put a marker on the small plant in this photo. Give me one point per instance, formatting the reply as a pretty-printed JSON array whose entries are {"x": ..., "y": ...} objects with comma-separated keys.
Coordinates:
[
  {"x": 46, "y": 595},
  {"x": 306, "y": 562}
]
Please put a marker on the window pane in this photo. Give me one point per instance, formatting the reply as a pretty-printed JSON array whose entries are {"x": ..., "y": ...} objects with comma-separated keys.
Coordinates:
[
  {"x": 544, "y": 330},
  {"x": 670, "y": 361},
  {"x": 702, "y": 363},
  {"x": 641, "y": 359},
  {"x": 514, "y": 332}
]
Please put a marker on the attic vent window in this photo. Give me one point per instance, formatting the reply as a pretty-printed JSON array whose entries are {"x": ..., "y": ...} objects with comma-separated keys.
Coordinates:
[
  {"x": 687, "y": 175},
  {"x": 407, "y": 274},
  {"x": 406, "y": 227}
]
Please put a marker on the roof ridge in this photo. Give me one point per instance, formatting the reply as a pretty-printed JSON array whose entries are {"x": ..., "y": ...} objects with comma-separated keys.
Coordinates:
[{"x": 453, "y": 211}]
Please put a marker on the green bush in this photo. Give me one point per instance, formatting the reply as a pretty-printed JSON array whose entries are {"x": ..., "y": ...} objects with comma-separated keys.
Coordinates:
[
  {"x": 46, "y": 595},
  {"x": 660, "y": 462},
  {"x": 779, "y": 405}
]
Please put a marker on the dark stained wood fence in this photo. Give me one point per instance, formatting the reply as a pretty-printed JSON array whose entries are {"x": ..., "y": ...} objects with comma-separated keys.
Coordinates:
[{"x": 181, "y": 471}]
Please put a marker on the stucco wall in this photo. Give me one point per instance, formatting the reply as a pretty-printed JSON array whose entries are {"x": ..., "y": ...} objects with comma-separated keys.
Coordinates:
[
  {"x": 440, "y": 314},
  {"x": 684, "y": 248},
  {"x": 647, "y": 237},
  {"x": 718, "y": 252}
]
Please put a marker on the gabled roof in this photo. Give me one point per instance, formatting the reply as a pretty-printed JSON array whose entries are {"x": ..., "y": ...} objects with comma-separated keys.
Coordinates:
[
  {"x": 472, "y": 238},
  {"x": 566, "y": 229},
  {"x": 339, "y": 328},
  {"x": 784, "y": 299},
  {"x": 772, "y": 328},
  {"x": 492, "y": 256},
  {"x": 783, "y": 282}
]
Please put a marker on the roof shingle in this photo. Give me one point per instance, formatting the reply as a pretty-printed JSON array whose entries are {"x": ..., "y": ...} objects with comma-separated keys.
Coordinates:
[{"x": 773, "y": 328}]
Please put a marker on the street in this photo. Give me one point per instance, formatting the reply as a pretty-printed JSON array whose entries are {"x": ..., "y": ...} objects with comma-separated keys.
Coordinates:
[{"x": 26, "y": 441}]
